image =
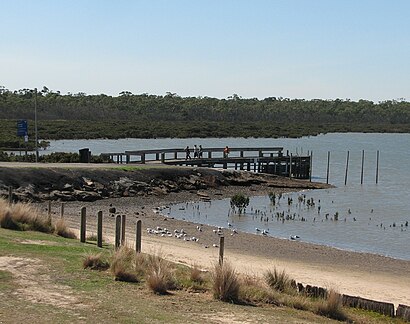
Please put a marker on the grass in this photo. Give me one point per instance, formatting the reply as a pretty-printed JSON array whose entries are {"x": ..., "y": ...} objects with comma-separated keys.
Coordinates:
[
  {"x": 95, "y": 262},
  {"x": 61, "y": 229},
  {"x": 159, "y": 275},
  {"x": 22, "y": 217},
  {"x": 332, "y": 306},
  {"x": 225, "y": 283},
  {"x": 279, "y": 281},
  {"x": 123, "y": 265}
]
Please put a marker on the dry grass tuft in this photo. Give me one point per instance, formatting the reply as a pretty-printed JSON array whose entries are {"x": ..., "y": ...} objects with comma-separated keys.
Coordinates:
[
  {"x": 332, "y": 306},
  {"x": 297, "y": 302},
  {"x": 279, "y": 281},
  {"x": 253, "y": 292},
  {"x": 22, "y": 216},
  {"x": 123, "y": 265},
  {"x": 196, "y": 275},
  {"x": 61, "y": 229},
  {"x": 95, "y": 262},
  {"x": 159, "y": 274},
  {"x": 225, "y": 283}
]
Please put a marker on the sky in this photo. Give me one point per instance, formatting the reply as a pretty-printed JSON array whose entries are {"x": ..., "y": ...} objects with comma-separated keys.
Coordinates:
[{"x": 310, "y": 49}]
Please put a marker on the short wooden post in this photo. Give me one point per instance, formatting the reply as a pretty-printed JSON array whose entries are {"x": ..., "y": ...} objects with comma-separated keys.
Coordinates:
[
  {"x": 328, "y": 164},
  {"x": 377, "y": 167},
  {"x": 117, "y": 231},
  {"x": 127, "y": 158},
  {"x": 83, "y": 223},
  {"x": 123, "y": 219},
  {"x": 347, "y": 166},
  {"x": 10, "y": 195},
  {"x": 138, "y": 237},
  {"x": 62, "y": 210},
  {"x": 162, "y": 157},
  {"x": 311, "y": 164},
  {"x": 99, "y": 228},
  {"x": 49, "y": 208},
  {"x": 156, "y": 156},
  {"x": 143, "y": 158},
  {"x": 241, "y": 154},
  {"x": 290, "y": 166},
  {"x": 221, "y": 250},
  {"x": 361, "y": 175}
]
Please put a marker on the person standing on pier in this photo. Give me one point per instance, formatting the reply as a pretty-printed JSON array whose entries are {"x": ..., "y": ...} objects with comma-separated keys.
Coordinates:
[
  {"x": 226, "y": 151},
  {"x": 196, "y": 151},
  {"x": 187, "y": 153}
]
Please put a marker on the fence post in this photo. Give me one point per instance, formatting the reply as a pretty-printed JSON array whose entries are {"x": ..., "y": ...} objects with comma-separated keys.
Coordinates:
[
  {"x": 117, "y": 231},
  {"x": 123, "y": 219},
  {"x": 311, "y": 166},
  {"x": 49, "y": 209},
  {"x": 138, "y": 237},
  {"x": 221, "y": 250},
  {"x": 10, "y": 195},
  {"x": 83, "y": 223},
  {"x": 62, "y": 210},
  {"x": 99, "y": 228}
]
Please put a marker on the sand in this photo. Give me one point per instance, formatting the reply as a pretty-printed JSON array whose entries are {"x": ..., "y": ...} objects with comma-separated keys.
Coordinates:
[{"x": 359, "y": 274}]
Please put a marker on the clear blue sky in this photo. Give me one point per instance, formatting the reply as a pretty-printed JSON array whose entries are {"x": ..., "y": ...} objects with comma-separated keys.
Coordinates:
[{"x": 291, "y": 48}]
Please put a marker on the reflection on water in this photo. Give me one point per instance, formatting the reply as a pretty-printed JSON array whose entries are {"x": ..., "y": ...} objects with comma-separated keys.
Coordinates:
[{"x": 371, "y": 217}]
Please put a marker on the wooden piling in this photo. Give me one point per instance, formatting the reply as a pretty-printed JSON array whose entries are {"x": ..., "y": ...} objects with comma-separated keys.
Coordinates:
[
  {"x": 311, "y": 164},
  {"x": 62, "y": 210},
  {"x": 221, "y": 250},
  {"x": 10, "y": 195},
  {"x": 83, "y": 223},
  {"x": 328, "y": 164},
  {"x": 290, "y": 166},
  {"x": 123, "y": 219},
  {"x": 99, "y": 228},
  {"x": 117, "y": 231},
  {"x": 377, "y": 167},
  {"x": 347, "y": 166},
  {"x": 49, "y": 208},
  {"x": 361, "y": 175},
  {"x": 138, "y": 236}
]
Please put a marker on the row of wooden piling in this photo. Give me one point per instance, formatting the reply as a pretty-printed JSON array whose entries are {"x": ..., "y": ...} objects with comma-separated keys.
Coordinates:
[{"x": 347, "y": 167}]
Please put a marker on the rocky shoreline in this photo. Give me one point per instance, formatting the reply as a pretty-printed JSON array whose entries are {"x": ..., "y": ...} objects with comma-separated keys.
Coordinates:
[{"x": 89, "y": 185}]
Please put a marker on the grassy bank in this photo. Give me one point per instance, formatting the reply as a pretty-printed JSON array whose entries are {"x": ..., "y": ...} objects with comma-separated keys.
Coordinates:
[{"x": 42, "y": 280}]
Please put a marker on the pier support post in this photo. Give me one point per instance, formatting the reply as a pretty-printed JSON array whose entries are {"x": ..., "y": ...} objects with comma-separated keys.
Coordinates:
[
  {"x": 328, "y": 164},
  {"x": 62, "y": 210},
  {"x": 83, "y": 223},
  {"x": 361, "y": 175},
  {"x": 377, "y": 167},
  {"x": 99, "y": 228},
  {"x": 347, "y": 166}
]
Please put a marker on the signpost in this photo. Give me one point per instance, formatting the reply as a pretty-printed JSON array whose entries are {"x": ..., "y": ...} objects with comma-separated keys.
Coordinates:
[{"x": 22, "y": 129}]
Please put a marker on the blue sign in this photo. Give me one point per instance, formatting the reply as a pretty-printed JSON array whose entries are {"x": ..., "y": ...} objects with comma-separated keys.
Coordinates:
[{"x": 22, "y": 127}]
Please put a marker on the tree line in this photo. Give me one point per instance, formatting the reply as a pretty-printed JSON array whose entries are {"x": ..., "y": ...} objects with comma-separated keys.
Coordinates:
[{"x": 170, "y": 115}]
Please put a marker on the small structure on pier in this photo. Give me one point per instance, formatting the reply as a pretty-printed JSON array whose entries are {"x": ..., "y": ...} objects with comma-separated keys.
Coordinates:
[{"x": 257, "y": 159}]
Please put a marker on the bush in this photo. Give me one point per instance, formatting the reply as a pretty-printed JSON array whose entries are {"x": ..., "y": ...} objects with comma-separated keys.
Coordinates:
[
  {"x": 95, "y": 262},
  {"x": 332, "y": 306},
  {"x": 279, "y": 281},
  {"x": 61, "y": 229},
  {"x": 22, "y": 216},
  {"x": 239, "y": 201},
  {"x": 225, "y": 283},
  {"x": 123, "y": 265},
  {"x": 159, "y": 276}
]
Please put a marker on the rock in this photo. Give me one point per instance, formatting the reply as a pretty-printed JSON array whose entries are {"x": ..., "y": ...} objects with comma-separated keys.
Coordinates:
[
  {"x": 112, "y": 210},
  {"x": 81, "y": 195}
]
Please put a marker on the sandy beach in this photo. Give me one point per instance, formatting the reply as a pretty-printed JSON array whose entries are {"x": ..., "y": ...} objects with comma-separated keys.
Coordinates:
[{"x": 359, "y": 274}]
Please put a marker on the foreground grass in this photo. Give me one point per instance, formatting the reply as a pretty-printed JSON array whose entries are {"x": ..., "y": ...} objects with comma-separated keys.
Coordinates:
[{"x": 107, "y": 300}]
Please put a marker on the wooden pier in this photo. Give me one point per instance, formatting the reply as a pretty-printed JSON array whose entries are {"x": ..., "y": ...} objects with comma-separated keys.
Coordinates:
[{"x": 257, "y": 159}]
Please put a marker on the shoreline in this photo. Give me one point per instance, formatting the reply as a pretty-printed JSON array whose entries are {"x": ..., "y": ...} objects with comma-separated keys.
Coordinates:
[{"x": 363, "y": 274}]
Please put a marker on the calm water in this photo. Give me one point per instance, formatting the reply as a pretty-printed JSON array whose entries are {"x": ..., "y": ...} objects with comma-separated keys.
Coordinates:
[{"x": 378, "y": 213}]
